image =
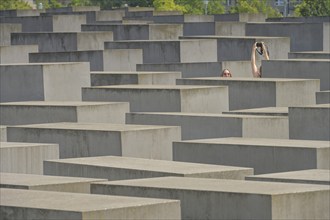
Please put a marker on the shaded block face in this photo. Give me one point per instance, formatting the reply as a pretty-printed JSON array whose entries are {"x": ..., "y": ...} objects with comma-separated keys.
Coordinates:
[
  {"x": 43, "y": 82},
  {"x": 118, "y": 168},
  {"x": 198, "y": 126},
  {"x": 88, "y": 139},
  {"x": 264, "y": 155},
  {"x": 166, "y": 98},
  {"x": 323, "y": 97},
  {"x": 17, "y": 204},
  {"x": 19, "y": 113},
  {"x": 256, "y": 93},
  {"x": 238, "y": 199},
  {"x": 26, "y": 157},
  {"x": 310, "y": 122}
]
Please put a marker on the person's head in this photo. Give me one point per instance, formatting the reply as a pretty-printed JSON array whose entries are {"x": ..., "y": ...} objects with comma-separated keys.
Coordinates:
[{"x": 226, "y": 73}]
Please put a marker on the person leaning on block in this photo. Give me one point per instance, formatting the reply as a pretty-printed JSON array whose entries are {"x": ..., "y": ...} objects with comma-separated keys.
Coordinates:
[{"x": 257, "y": 72}]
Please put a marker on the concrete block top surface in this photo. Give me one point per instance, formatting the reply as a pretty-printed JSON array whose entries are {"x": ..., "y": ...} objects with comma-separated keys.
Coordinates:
[
  {"x": 187, "y": 114},
  {"x": 21, "y": 144},
  {"x": 56, "y": 103},
  {"x": 153, "y": 87},
  {"x": 35, "y": 180},
  {"x": 148, "y": 164},
  {"x": 312, "y": 175},
  {"x": 135, "y": 72},
  {"x": 92, "y": 126},
  {"x": 70, "y": 201},
  {"x": 41, "y": 64},
  {"x": 249, "y": 79},
  {"x": 318, "y": 106},
  {"x": 264, "y": 142},
  {"x": 263, "y": 111},
  {"x": 299, "y": 60},
  {"x": 214, "y": 185},
  {"x": 228, "y": 37}
]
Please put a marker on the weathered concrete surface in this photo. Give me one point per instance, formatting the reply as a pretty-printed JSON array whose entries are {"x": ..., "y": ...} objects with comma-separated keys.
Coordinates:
[
  {"x": 118, "y": 168},
  {"x": 19, "y": 13},
  {"x": 313, "y": 176},
  {"x": 230, "y": 28},
  {"x": 196, "y": 126},
  {"x": 264, "y": 155},
  {"x": 310, "y": 122},
  {"x": 122, "y": 59},
  {"x": 16, "y": 53},
  {"x": 63, "y": 41},
  {"x": 323, "y": 97},
  {"x": 247, "y": 93},
  {"x": 299, "y": 68},
  {"x": 238, "y": 199},
  {"x": 268, "y": 111},
  {"x": 158, "y": 98},
  {"x": 19, "y": 113},
  {"x": 240, "y": 17},
  {"x": 46, "y": 183},
  {"x": 130, "y": 77},
  {"x": 3, "y": 133},
  {"x": 26, "y": 157},
  {"x": 6, "y": 30},
  {"x": 43, "y": 82},
  {"x": 33, "y": 204},
  {"x": 100, "y": 139},
  {"x": 310, "y": 55}
]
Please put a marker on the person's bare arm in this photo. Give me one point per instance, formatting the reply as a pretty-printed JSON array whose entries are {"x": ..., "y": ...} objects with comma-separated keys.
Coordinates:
[
  {"x": 264, "y": 48},
  {"x": 255, "y": 71}
]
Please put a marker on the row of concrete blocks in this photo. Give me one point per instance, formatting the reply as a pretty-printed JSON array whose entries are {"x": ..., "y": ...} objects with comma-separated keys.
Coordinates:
[{"x": 189, "y": 197}]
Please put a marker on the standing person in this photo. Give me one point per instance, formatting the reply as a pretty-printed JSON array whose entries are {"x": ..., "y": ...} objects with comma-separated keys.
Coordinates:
[
  {"x": 226, "y": 73},
  {"x": 257, "y": 72}
]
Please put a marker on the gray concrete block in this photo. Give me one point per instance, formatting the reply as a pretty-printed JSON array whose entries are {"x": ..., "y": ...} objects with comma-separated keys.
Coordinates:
[
  {"x": 264, "y": 155},
  {"x": 228, "y": 199},
  {"x": 268, "y": 111},
  {"x": 241, "y": 17},
  {"x": 3, "y": 133},
  {"x": 118, "y": 168},
  {"x": 171, "y": 51},
  {"x": 17, "y": 204},
  {"x": 74, "y": 9},
  {"x": 167, "y": 98},
  {"x": 310, "y": 122},
  {"x": 310, "y": 55},
  {"x": 122, "y": 59},
  {"x": 230, "y": 28},
  {"x": 196, "y": 126},
  {"x": 201, "y": 69},
  {"x": 19, "y": 13},
  {"x": 26, "y": 157},
  {"x": 238, "y": 48},
  {"x": 46, "y": 183},
  {"x": 43, "y": 82},
  {"x": 198, "y": 28},
  {"x": 323, "y": 97},
  {"x": 48, "y": 23},
  {"x": 245, "y": 93},
  {"x": 182, "y": 18},
  {"x": 313, "y": 176},
  {"x": 126, "y": 77},
  {"x": 138, "y": 31},
  {"x": 298, "y": 68},
  {"x": 64, "y": 41},
  {"x": 19, "y": 113},
  {"x": 16, "y": 53},
  {"x": 294, "y": 30},
  {"x": 100, "y": 139},
  {"x": 5, "y": 32}
]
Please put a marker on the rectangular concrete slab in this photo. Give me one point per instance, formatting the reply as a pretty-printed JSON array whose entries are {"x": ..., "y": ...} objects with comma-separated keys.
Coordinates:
[
  {"x": 46, "y": 183},
  {"x": 5, "y": 31},
  {"x": 130, "y": 77},
  {"x": 26, "y": 157},
  {"x": 100, "y": 139},
  {"x": 43, "y": 82},
  {"x": 310, "y": 55},
  {"x": 310, "y": 122},
  {"x": 323, "y": 97},
  {"x": 269, "y": 111},
  {"x": 3, "y": 133},
  {"x": 228, "y": 199},
  {"x": 168, "y": 98},
  {"x": 198, "y": 125},
  {"x": 247, "y": 93},
  {"x": 35, "y": 112},
  {"x": 118, "y": 168},
  {"x": 312, "y": 176},
  {"x": 299, "y": 68},
  {"x": 264, "y": 155},
  {"x": 16, "y": 53},
  {"x": 33, "y": 204}
]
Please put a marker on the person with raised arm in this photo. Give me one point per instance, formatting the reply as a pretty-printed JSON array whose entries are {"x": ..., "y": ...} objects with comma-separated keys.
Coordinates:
[{"x": 257, "y": 72}]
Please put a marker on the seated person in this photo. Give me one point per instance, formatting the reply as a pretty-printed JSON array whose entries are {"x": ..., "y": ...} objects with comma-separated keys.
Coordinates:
[
  {"x": 225, "y": 73},
  {"x": 257, "y": 72}
]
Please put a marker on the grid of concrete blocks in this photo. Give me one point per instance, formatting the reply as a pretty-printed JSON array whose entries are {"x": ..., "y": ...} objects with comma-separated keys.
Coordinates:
[{"x": 122, "y": 114}]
